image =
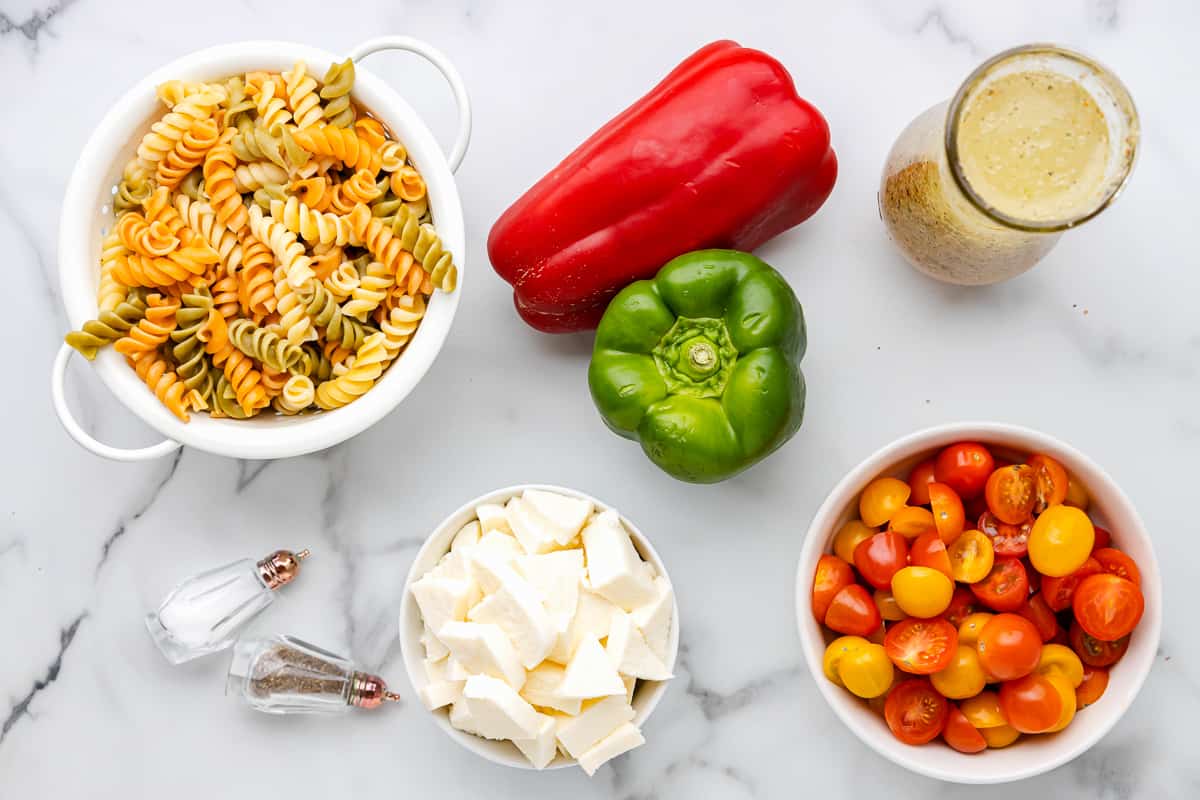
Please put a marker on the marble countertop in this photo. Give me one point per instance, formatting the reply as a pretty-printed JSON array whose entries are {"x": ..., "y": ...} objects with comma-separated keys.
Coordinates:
[{"x": 1100, "y": 345}]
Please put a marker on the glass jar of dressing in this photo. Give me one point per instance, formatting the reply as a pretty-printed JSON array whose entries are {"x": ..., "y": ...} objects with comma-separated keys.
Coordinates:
[{"x": 978, "y": 189}]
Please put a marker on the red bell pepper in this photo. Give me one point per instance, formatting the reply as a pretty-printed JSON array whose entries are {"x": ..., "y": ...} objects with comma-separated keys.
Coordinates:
[{"x": 722, "y": 153}]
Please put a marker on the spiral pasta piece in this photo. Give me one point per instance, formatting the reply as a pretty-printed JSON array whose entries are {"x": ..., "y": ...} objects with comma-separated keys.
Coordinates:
[
  {"x": 256, "y": 174},
  {"x": 152, "y": 330},
  {"x": 315, "y": 192},
  {"x": 298, "y": 394},
  {"x": 273, "y": 381},
  {"x": 225, "y": 296},
  {"x": 341, "y": 143},
  {"x": 237, "y": 368},
  {"x": 361, "y": 375},
  {"x": 163, "y": 135},
  {"x": 253, "y": 142},
  {"x": 360, "y": 188},
  {"x": 134, "y": 188},
  {"x": 370, "y": 130},
  {"x": 313, "y": 226},
  {"x": 342, "y": 281},
  {"x": 219, "y": 165},
  {"x": 108, "y": 326},
  {"x": 166, "y": 385},
  {"x": 302, "y": 96},
  {"x": 188, "y": 152},
  {"x": 174, "y": 92},
  {"x": 225, "y": 401},
  {"x": 422, "y": 240},
  {"x": 143, "y": 237},
  {"x": 192, "y": 186},
  {"x": 110, "y": 292},
  {"x": 325, "y": 259},
  {"x": 272, "y": 108},
  {"x": 407, "y": 184},
  {"x": 326, "y": 314},
  {"x": 401, "y": 323},
  {"x": 293, "y": 318},
  {"x": 288, "y": 252},
  {"x": 263, "y": 345},
  {"x": 379, "y": 239},
  {"x": 256, "y": 282},
  {"x": 339, "y": 80},
  {"x": 392, "y": 155},
  {"x": 201, "y": 218},
  {"x": 188, "y": 348}
]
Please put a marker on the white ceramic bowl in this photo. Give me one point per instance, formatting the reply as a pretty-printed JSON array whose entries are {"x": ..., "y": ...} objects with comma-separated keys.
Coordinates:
[
  {"x": 648, "y": 693},
  {"x": 1034, "y": 754},
  {"x": 86, "y": 215}
]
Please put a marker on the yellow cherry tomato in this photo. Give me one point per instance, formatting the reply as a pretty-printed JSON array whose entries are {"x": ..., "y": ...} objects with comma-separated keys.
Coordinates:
[
  {"x": 983, "y": 710},
  {"x": 1067, "y": 692},
  {"x": 912, "y": 521},
  {"x": 999, "y": 737},
  {"x": 882, "y": 498},
  {"x": 963, "y": 678},
  {"x": 1061, "y": 540},
  {"x": 1062, "y": 660},
  {"x": 889, "y": 609},
  {"x": 968, "y": 631},
  {"x": 837, "y": 650},
  {"x": 922, "y": 591},
  {"x": 867, "y": 672},
  {"x": 848, "y": 537},
  {"x": 1077, "y": 495},
  {"x": 971, "y": 556}
]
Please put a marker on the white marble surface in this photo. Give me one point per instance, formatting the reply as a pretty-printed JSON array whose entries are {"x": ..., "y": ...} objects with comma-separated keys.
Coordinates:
[{"x": 1100, "y": 346}]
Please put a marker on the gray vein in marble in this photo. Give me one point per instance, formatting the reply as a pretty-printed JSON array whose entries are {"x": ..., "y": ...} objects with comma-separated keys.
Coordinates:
[
  {"x": 13, "y": 545},
  {"x": 1107, "y": 13},
  {"x": 37, "y": 23},
  {"x": 248, "y": 472},
  {"x": 123, "y": 525},
  {"x": 715, "y": 705},
  {"x": 937, "y": 19},
  {"x": 21, "y": 707}
]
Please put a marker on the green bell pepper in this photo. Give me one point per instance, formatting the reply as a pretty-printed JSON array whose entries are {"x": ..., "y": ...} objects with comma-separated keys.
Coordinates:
[{"x": 701, "y": 365}]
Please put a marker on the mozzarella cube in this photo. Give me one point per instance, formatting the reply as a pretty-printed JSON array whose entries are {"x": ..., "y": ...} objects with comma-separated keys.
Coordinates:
[
  {"x": 565, "y": 515},
  {"x": 440, "y": 694},
  {"x": 622, "y": 740},
  {"x": 467, "y": 537},
  {"x": 497, "y": 711},
  {"x": 453, "y": 565},
  {"x": 501, "y": 543},
  {"x": 593, "y": 617},
  {"x": 557, "y": 577},
  {"x": 541, "y": 689},
  {"x": 589, "y": 673},
  {"x": 442, "y": 600},
  {"x": 613, "y": 565},
  {"x": 490, "y": 569},
  {"x": 580, "y": 733},
  {"x": 541, "y": 749},
  {"x": 435, "y": 651},
  {"x": 455, "y": 671},
  {"x": 516, "y": 607},
  {"x": 460, "y": 716},
  {"x": 533, "y": 531},
  {"x": 629, "y": 653},
  {"x": 483, "y": 649},
  {"x": 654, "y": 618},
  {"x": 492, "y": 518}
]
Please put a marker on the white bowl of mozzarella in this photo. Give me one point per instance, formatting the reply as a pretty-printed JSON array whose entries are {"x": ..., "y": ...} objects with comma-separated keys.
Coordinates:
[{"x": 540, "y": 628}]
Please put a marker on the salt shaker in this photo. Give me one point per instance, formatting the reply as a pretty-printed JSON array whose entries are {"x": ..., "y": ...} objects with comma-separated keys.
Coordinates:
[
  {"x": 284, "y": 675},
  {"x": 204, "y": 613}
]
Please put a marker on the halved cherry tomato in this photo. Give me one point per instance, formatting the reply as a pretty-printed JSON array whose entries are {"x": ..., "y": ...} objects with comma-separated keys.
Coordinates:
[
  {"x": 1036, "y": 611},
  {"x": 1009, "y": 647},
  {"x": 1059, "y": 592},
  {"x": 948, "y": 515},
  {"x": 921, "y": 646},
  {"x": 1003, "y": 736},
  {"x": 915, "y": 712},
  {"x": 922, "y": 591},
  {"x": 961, "y": 734},
  {"x": 867, "y": 672},
  {"x": 912, "y": 521},
  {"x": 963, "y": 677},
  {"x": 853, "y": 612},
  {"x": 965, "y": 467},
  {"x": 848, "y": 537},
  {"x": 1060, "y": 659},
  {"x": 1006, "y": 586},
  {"x": 838, "y": 649},
  {"x": 832, "y": 576},
  {"x": 1091, "y": 689},
  {"x": 962, "y": 605},
  {"x": 919, "y": 480},
  {"x": 882, "y": 498},
  {"x": 1103, "y": 538},
  {"x": 1011, "y": 492},
  {"x": 889, "y": 609},
  {"x": 971, "y": 557},
  {"x": 1066, "y": 694},
  {"x": 1094, "y": 652},
  {"x": 1119, "y": 564},
  {"x": 1031, "y": 704},
  {"x": 880, "y": 557},
  {"x": 930, "y": 551},
  {"x": 1077, "y": 494},
  {"x": 983, "y": 711},
  {"x": 969, "y": 628},
  {"x": 1052, "y": 481},
  {"x": 1007, "y": 540},
  {"x": 1108, "y": 607},
  {"x": 1061, "y": 540}
]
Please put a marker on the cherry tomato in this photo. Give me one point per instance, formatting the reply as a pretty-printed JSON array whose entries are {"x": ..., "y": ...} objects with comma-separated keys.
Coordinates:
[
  {"x": 961, "y": 734},
  {"x": 921, "y": 646},
  {"x": 1107, "y": 607},
  {"x": 930, "y": 551},
  {"x": 922, "y": 591},
  {"x": 1103, "y": 538},
  {"x": 983, "y": 711},
  {"x": 1005, "y": 587},
  {"x": 948, "y": 515},
  {"x": 1066, "y": 695},
  {"x": 882, "y": 498},
  {"x": 1009, "y": 647},
  {"x": 853, "y": 612},
  {"x": 848, "y": 537},
  {"x": 1036, "y": 611},
  {"x": 881, "y": 557},
  {"x": 1031, "y": 703},
  {"x": 839, "y": 648},
  {"x": 912, "y": 521},
  {"x": 1077, "y": 495},
  {"x": 1003, "y": 736},
  {"x": 1091, "y": 689},
  {"x": 962, "y": 605},
  {"x": 918, "y": 481},
  {"x": 965, "y": 467},
  {"x": 1060, "y": 541},
  {"x": 833, "y": 575},
  {"x": 1052, "y": 481},
  {"x": 969, "y": 628},
  {"x": 1057, "y": 658},
  {"x": 1059, "y": 592},
  {"x": 1011, "y": 492},
  {"x": 1119, "y": 564},
  {"x": 1007, "y": 540},
  {"x": 915, "y": 712},
  {"x": 963, "y": 677},
  {"x": 889, "y": 609},
  {"x": 971, "y": 557},
  {"x": 867, "y": 672},
  {"x": 1094, "y": 652}
]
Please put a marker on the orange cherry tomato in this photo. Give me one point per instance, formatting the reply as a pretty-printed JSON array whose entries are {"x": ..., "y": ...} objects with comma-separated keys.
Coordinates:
[
  {"x": 1108, "y": 607},
  {"x": 1103, "y": 538},
  {"x": 918, "y": 481},
  {"x": 1095, "y": 681},
  {"x": 948, "y": 515},
  {"x": 1007, "y": 540},
  {"x": 1094, "y": 652},
  {"x": 1009, "y": 647},
  {"x": 1052, "y": 480},
  {"x": 921, "y": 646},
  {"x": 1059, "y": 592},
  {"x": 915, "y": 712},
  {"x": 889, "y": 609},
  {"x": 853, "y": 612},
  {"x": 971, "y": 626},
  {"x": 930, "y": 551},
  {"x": 964, "y": 467},
  {"x": 880, "y": 557},
  {"x": 1005, "y": 588},
  {"x": 1114, "y": 561},
  {"x": 912, "y": 521},
  {"x": 1031, "y": 703},
  {"x": 882, "y": 498},
  {"x": 833, "y": 574},
  {"x": 983, "y": 710},
  {"x": 962, "y": 605},
  {"x": 848, "y": 537},
  {"x": 971, "y": 557},
  {"x": 1011, "y": 493},
  {"x": 961, "y": 734},
  {"x": 1036, "y": 611}
]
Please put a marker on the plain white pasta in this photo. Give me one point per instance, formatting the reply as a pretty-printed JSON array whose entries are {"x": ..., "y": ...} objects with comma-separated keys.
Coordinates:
[
  {"x": 256, "y": 174},
  {"x": 298, "y": 393}
]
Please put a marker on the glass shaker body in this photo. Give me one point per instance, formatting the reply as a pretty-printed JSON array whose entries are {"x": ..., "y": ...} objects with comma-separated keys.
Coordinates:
[{"x": 284, "y": 675}]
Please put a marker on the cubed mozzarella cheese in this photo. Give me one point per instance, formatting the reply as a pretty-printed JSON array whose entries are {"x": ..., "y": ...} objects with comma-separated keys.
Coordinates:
[
  {"x": 590, "y": 673},
  {"x": 593, "y": 617},
  {"x": 490, "y": 569},
  {"x": 541, "y": 689},
  {"x": 460, "y": 716},
  {"x": 614, "y": 567},
  {"x": 483, "y": 649},
  {"x": 622, "y": 740},
  {"x": 629, "y": 653},
  {"x": 516, "y": 607},
  {"x": 492, "y": 518},
  {"x": 541, "y": 749},
  {"x": 440, "y": 694},
  {"x": 557, "y": 577},
  {"x": 453, "y": 565},
  {"x": 497, "y": 711},
  {"x": 580, "y": 733},
  {"x": 467, "y": 537},
  {"x": 565, "y": 515},
  {"x": 435, "y": 651},
  {"x": 532, "y": 530},
  {"x": 654, "y": 618},
  {"x": 504, "y": 544},
  {"x": 443, "y": 600},
  {"x": 455, "y": 671}
]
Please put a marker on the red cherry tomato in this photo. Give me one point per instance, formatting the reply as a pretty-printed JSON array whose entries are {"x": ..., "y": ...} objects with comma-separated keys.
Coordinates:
[
  {"x": 833, "y": 574},
  {"x": 1051, "y": 479},
  {"x": 1011, "y": 493},
  {"x": 919, "y": 480},
  {"x": 853, "y": 612},
  {"x": 1036, "y": 611},
  {"x": 1059, "y": 592},
  {"x": 1119, "y": 564},
  {"x": 1094, "y": 652},
  {"x": 915, "y": 711},
  {"x": 1031, "y": 703},
  {"x": 961, "y": 734},
  {"x": 1009, "y": 647},
  {"x": 965, "y": 467},
  {"x": 928, "y": 550},
  {"x": 948, "y": 515},
  {"x": 963, "y": 604},
  {"x": 921, "y": 646},
  {"x": 880, "y": 557},
  {"x": 1108, "y": 607},
  {"x": 1103, "y": 538},
  {"x": 1005, "y": 588},
  {"x": 1007, "y": 540},
  {"x": 1095, "y": 681}
]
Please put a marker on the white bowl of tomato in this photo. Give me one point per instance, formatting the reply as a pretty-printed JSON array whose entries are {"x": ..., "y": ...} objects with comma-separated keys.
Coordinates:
[{"x": 978, "y": 602}]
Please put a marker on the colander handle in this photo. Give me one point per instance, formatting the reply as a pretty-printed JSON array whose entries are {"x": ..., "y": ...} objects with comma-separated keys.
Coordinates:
[
  {"x": 439, "y": 60},
  {"x": 57, "y": 379}
]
